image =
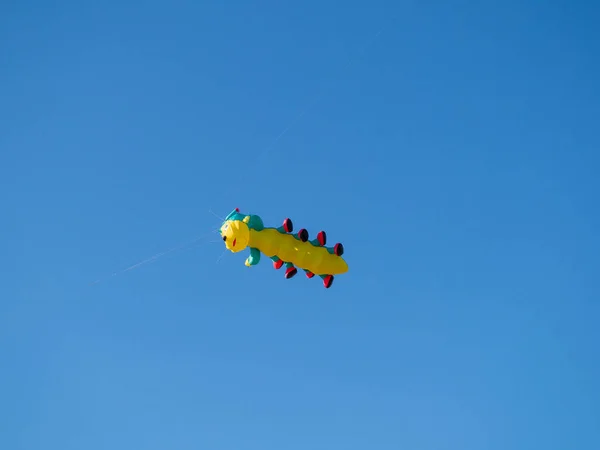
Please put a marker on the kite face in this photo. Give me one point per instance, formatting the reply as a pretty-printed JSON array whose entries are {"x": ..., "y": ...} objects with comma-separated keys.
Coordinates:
[
  {"x": 241, "y": 231},
  {"x": 236, "y": 235}
]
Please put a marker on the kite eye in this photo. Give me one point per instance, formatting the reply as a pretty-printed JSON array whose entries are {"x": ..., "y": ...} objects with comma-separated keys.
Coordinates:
[{"x": 224, "y": 238}]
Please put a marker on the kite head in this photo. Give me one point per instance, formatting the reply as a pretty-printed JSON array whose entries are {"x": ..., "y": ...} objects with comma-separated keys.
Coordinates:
[{"x": 235, "y": 234}]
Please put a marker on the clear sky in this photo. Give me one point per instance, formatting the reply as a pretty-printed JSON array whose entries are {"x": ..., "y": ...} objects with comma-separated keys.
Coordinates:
[{"x": 455, "y": 156}]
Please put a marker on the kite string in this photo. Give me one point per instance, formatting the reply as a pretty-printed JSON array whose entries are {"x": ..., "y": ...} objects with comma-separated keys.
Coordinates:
[
  {"x": 186, "y": 245},
  {"x": 315, "y": 99}
]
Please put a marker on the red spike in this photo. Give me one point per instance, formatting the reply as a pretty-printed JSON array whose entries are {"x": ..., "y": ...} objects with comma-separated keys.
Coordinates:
[{"x": 237, "y": 209}]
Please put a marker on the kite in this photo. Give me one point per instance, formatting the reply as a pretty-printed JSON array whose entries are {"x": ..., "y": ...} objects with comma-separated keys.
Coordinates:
[{"x": 241, "y": 231}]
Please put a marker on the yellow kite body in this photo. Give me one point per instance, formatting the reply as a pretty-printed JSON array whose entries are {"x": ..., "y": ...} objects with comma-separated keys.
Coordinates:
[
  {"x": 241, "y": 231},
  {"x": 302, "y": 254}
]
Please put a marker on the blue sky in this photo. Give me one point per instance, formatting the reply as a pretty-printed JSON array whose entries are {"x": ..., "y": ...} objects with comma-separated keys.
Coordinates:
[{"x": 455, "y": 156}]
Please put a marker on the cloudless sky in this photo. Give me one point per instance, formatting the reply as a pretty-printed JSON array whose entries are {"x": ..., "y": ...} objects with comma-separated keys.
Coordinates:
[{"x": 455, "y": 154}]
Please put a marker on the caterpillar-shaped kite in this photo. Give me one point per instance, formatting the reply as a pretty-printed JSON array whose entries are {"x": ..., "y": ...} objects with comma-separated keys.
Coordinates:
[{"x": 240, "y": 231}]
